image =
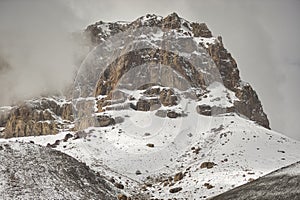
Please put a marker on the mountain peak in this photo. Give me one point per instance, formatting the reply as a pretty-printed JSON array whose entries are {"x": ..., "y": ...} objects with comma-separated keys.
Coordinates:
[
  {"x": 190, "y": 37},
  {"x": 159, "y": 109},
  {"x": 173, "y": 15},
  {"x": 188, "y": 48}
]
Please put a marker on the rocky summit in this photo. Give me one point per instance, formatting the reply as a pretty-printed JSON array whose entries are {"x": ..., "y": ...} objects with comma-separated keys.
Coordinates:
[
  {"x": 189, "y": 36},
  {"x": 157, "y": 110},
  {"x": 48, "y": 116}
]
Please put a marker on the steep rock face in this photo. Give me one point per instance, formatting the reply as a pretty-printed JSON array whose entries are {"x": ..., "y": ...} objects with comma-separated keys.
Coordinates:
[
  {"x": 41, "y": 117},
  {"x": 248, "y": 105},
  {"x": 29, "y": 171},
  {"x": 109, "y": 79},
  {"x": 194, "y": 39}
]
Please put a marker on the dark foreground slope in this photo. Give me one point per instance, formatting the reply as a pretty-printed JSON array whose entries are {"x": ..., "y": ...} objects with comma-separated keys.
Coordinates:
[
  {"x": 283, "y": 184},
  {"x": 29, "y": 171}
]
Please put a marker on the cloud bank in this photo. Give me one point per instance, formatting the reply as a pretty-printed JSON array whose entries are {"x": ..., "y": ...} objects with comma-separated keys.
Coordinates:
[
  {"x": 35, "y": 42},
  {"x": 263, "y": 36}
]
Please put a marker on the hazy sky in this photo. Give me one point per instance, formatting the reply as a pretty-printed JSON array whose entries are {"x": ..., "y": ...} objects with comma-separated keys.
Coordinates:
[{"x": 262, "y": 35}]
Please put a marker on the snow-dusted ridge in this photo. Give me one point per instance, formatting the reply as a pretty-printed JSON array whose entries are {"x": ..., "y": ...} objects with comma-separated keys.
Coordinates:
[
  {"x": 280, "y": 184},
  {"x": 30, "y": 171},
  {"x": 240, "y": 150}
]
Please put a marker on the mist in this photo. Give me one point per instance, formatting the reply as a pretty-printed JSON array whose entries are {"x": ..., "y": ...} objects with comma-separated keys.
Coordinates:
[
  {"x": 263, "y": 37},
  {"x": 36, "y": 44}
]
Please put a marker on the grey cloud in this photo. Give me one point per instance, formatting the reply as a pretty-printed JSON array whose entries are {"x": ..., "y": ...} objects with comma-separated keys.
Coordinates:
[
  {"x": 35, "y": 41},
  {"x": 263, "y": 36}
]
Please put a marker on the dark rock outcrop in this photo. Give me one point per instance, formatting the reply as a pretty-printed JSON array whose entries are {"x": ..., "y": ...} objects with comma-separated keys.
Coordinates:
[
  {"x": 104, "y": 121},
  {"x": 175, "y": 190},
  {"x": 173, "y": 114},
  {"x": 249, "y": 104},
  {"x": 214, "y": 110},
  {"x": 201, "y": 30},
  {"x": 207, "y": 165},
  {"x": 178, "y": 176},
  {"x": 143, "y": 105},
  {"x": 168, "y": 97}
]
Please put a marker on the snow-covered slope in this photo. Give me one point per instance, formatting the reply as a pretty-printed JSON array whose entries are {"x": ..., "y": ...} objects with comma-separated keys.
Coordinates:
[{"x": 147, "y": 151}]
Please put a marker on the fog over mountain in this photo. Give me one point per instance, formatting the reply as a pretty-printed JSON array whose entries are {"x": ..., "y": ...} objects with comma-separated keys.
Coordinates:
[
  {"x": 148, "y": 106},
  {"x": 261, "y": 35},
  {"x": 35, "y": 42}
]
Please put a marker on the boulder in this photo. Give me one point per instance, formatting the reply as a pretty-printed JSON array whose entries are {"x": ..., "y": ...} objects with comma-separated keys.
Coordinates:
[
  {"x": 138, "y": 172},
  {"x": 168, "y": 98},
  {"x": 119, "y": 185},
  {"x": 150, "y": 145},
  {"x": 178, "y": 176},
  {"x": 204, "y": 110},
  {"x": 207, "y": 165},
  {"x": 143, "y": 105},
  {"x": 175, "y": 190},
  {"x": 104, "y": 120},
  {"x": 208, "y": 186},
  {"x": 152, "y": 91},
  {"x": 67, "y": 137},
  {"x": 173, "y": 114}
]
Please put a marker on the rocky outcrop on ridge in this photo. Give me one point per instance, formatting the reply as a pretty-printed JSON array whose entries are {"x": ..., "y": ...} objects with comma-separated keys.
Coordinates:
[{"x": 44, "y": 116}]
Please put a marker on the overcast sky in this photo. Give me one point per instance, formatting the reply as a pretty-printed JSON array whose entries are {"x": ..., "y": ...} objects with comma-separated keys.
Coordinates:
[{"x": 262, "y": 35}]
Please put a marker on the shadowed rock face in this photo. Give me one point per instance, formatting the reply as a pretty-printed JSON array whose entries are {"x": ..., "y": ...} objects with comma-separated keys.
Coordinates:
[
  {"x": 29, "y": 171},
  {"x": 281, "y": 184},
  {"x": 249, "y": 104},
  {"x": 111, "y": 76}
]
